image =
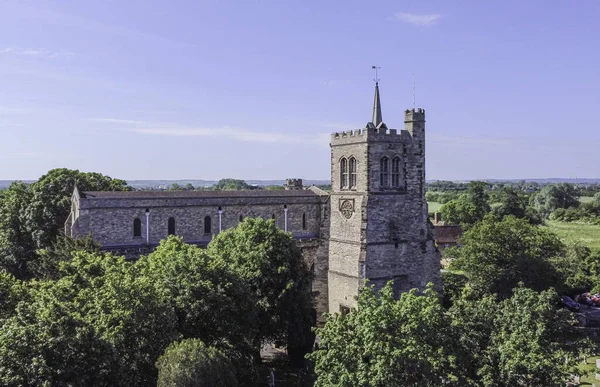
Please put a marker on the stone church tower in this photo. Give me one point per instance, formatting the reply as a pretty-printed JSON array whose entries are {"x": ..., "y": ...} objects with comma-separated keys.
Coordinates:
[{"x": 379, "y": 226}]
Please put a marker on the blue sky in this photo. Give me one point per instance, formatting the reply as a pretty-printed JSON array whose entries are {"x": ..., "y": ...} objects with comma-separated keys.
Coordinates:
[{"x": 251, "y": 89}]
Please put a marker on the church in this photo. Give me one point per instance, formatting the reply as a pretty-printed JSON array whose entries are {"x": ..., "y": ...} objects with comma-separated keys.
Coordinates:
[{"x": 373, "y": 225}]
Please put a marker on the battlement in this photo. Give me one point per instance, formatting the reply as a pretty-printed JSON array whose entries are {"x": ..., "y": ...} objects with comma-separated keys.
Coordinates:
[
  {"x": 370, "y": 133},
  {"x": 414, "y": 115},
  {"x": 293, "y": 184}
]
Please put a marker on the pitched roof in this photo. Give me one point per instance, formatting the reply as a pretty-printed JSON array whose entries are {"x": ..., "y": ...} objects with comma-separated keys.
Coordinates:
[
  {"x": 194, "y": 194},
  {"x": 447, "y": 233}
]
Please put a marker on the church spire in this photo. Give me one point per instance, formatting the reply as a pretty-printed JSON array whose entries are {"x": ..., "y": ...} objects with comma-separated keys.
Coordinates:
[{"x": 377, "y": 107}]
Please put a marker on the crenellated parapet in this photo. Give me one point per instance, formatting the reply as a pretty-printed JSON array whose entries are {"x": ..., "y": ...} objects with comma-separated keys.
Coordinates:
[
  {"x": 411, "y": 115},
  {"x": 370, "y": 133}
]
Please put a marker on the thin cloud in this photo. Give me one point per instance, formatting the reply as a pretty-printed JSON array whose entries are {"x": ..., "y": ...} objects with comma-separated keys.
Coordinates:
[
  {"x": 36, "y": 53},
  {"x": 423, "y": 20},
  {"x": 237, "y": 134},
  {"x": 225, "y": 132},
  {"x": 119, "y": 121}
]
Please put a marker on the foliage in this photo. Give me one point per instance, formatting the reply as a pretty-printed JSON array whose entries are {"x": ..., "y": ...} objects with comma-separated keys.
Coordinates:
[
  {"x": 210, "y": 300},
  {"x": 555, "y": 196},
  {"x": 99, "y": 324},
  {"x": 497, "y": 255},
  {"x": 32, "y": 216},
  {"x": 231, "y": 185},
  {"x": 271, "y": 265},
  {"x": 469, "y": 208},
  {"x": 16, "y": 244},
  {"x": 453, "y": 285},
  {"x": 275, "y": 188},
  {"x": 585, "y": 213},
  {"x": 521, "y": 341},
  {"x": 47, "y": 265},
  {"x": 190, "y": 363},
  {"x": 388, "y": 342}
]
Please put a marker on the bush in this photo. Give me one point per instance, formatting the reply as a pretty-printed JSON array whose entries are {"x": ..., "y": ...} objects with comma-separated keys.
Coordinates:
[
  {"x": 190, "y": 363},
  {"x": 454, "y": 284}
]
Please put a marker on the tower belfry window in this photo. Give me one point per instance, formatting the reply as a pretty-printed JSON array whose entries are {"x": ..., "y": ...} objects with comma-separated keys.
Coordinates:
[
  {"x": 396, "y": 172},
  {"x": 352, "y": 165},
  {"x": 384, "y": 170},
  {"x": 343, "y": 173}
]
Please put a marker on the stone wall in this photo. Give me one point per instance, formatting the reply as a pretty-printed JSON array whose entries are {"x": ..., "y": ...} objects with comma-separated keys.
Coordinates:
[
  {"x": 378, "y": 232},
  {"x": 109, "y": 218}
]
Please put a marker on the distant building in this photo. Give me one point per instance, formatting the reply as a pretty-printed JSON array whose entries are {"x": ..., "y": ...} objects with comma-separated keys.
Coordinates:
[
  {"x": 445, "y": 235},
  {"x": 372, "y": 226}
]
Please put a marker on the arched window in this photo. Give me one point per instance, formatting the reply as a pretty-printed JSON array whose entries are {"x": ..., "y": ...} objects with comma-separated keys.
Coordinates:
[
  {"x": 384, "y": 169},
  {"x": 137, "y": 227},
  {"x": 396, "y": 172},
  {"x": 273, "y": 216},
  {"x": 304, "y": 220},
  {"x": 343, "y": 173},
  {"x": 352, "y": 165},
  {"x": 207, "y": 225},
  {"x": 171, "y": 226}
]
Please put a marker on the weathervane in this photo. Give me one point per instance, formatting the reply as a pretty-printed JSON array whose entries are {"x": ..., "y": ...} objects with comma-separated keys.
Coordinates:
[{"x": 376, "y": 68}]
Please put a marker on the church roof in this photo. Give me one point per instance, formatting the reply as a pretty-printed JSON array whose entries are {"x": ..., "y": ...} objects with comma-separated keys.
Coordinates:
[{"x": 194, "y": 194}]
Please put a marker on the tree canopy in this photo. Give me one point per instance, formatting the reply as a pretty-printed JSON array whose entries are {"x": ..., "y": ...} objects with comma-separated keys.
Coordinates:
[
  {"x": 271, "y": 264},
  {"x": 190, "y": 363},
  {"x": 498, "y": 254}
]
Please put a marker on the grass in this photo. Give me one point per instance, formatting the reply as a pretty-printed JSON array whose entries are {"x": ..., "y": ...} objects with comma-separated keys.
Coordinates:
[
  {"x": 589, "y": 234},
  {"x": 590, "y": 367},
  {"x": 586, "y": 199}
]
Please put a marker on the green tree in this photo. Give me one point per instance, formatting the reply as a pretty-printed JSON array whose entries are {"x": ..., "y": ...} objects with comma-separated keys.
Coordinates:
[
  {"x": 211, "y": 301},
  {"x": 99, "y": 324},
  {"x": 231, "y": 185},
  {"x": 387, "y": 342},
  {"x": 497, "y": 255},
  {"x": 555, "y": 196},
  {"x": 190, "y": 363},
  {"x": 51, "y": 200},
  {"x": 468, "y": 208},
  {"x": 17, "y": 246},
  {"x": 270, "y": 263},
  {"x": 522, "y": 341},
  {"x": 47, "y": 264}
]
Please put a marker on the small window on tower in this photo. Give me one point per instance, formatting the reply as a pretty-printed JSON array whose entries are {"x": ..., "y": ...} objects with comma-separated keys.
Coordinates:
[
  {"x": 396, "y": 172},
  {"x": 352, "y": 162},
  {"x": 384, "y": 167},
  {"x": 343, "y": 173},
  {"x": 304, "y": 220}
]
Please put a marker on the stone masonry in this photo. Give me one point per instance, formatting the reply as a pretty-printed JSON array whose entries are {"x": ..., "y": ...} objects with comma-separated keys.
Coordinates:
[{"x": 372, "y": 226}]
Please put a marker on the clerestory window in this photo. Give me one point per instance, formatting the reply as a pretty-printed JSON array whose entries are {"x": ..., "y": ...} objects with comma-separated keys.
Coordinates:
[
  {"x": 171, "y": 226},
  {"x": 343, "y": 173},
  {"x": 352, "y": 164},
  {"x": 137, "y": 227},
  {"x": 207, "y": 225},
  {"x": 384, "y": 171}
]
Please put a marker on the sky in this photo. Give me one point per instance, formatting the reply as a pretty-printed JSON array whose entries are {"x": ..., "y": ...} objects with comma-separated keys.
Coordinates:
[{"x": 189, "y": 89}]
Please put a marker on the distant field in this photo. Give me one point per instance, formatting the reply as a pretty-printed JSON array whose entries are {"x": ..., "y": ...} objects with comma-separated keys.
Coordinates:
[
  {"x": 589, "y": 234},
  {"x": 434, "y": 206},
  {"x": 586, "y": 199}
]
